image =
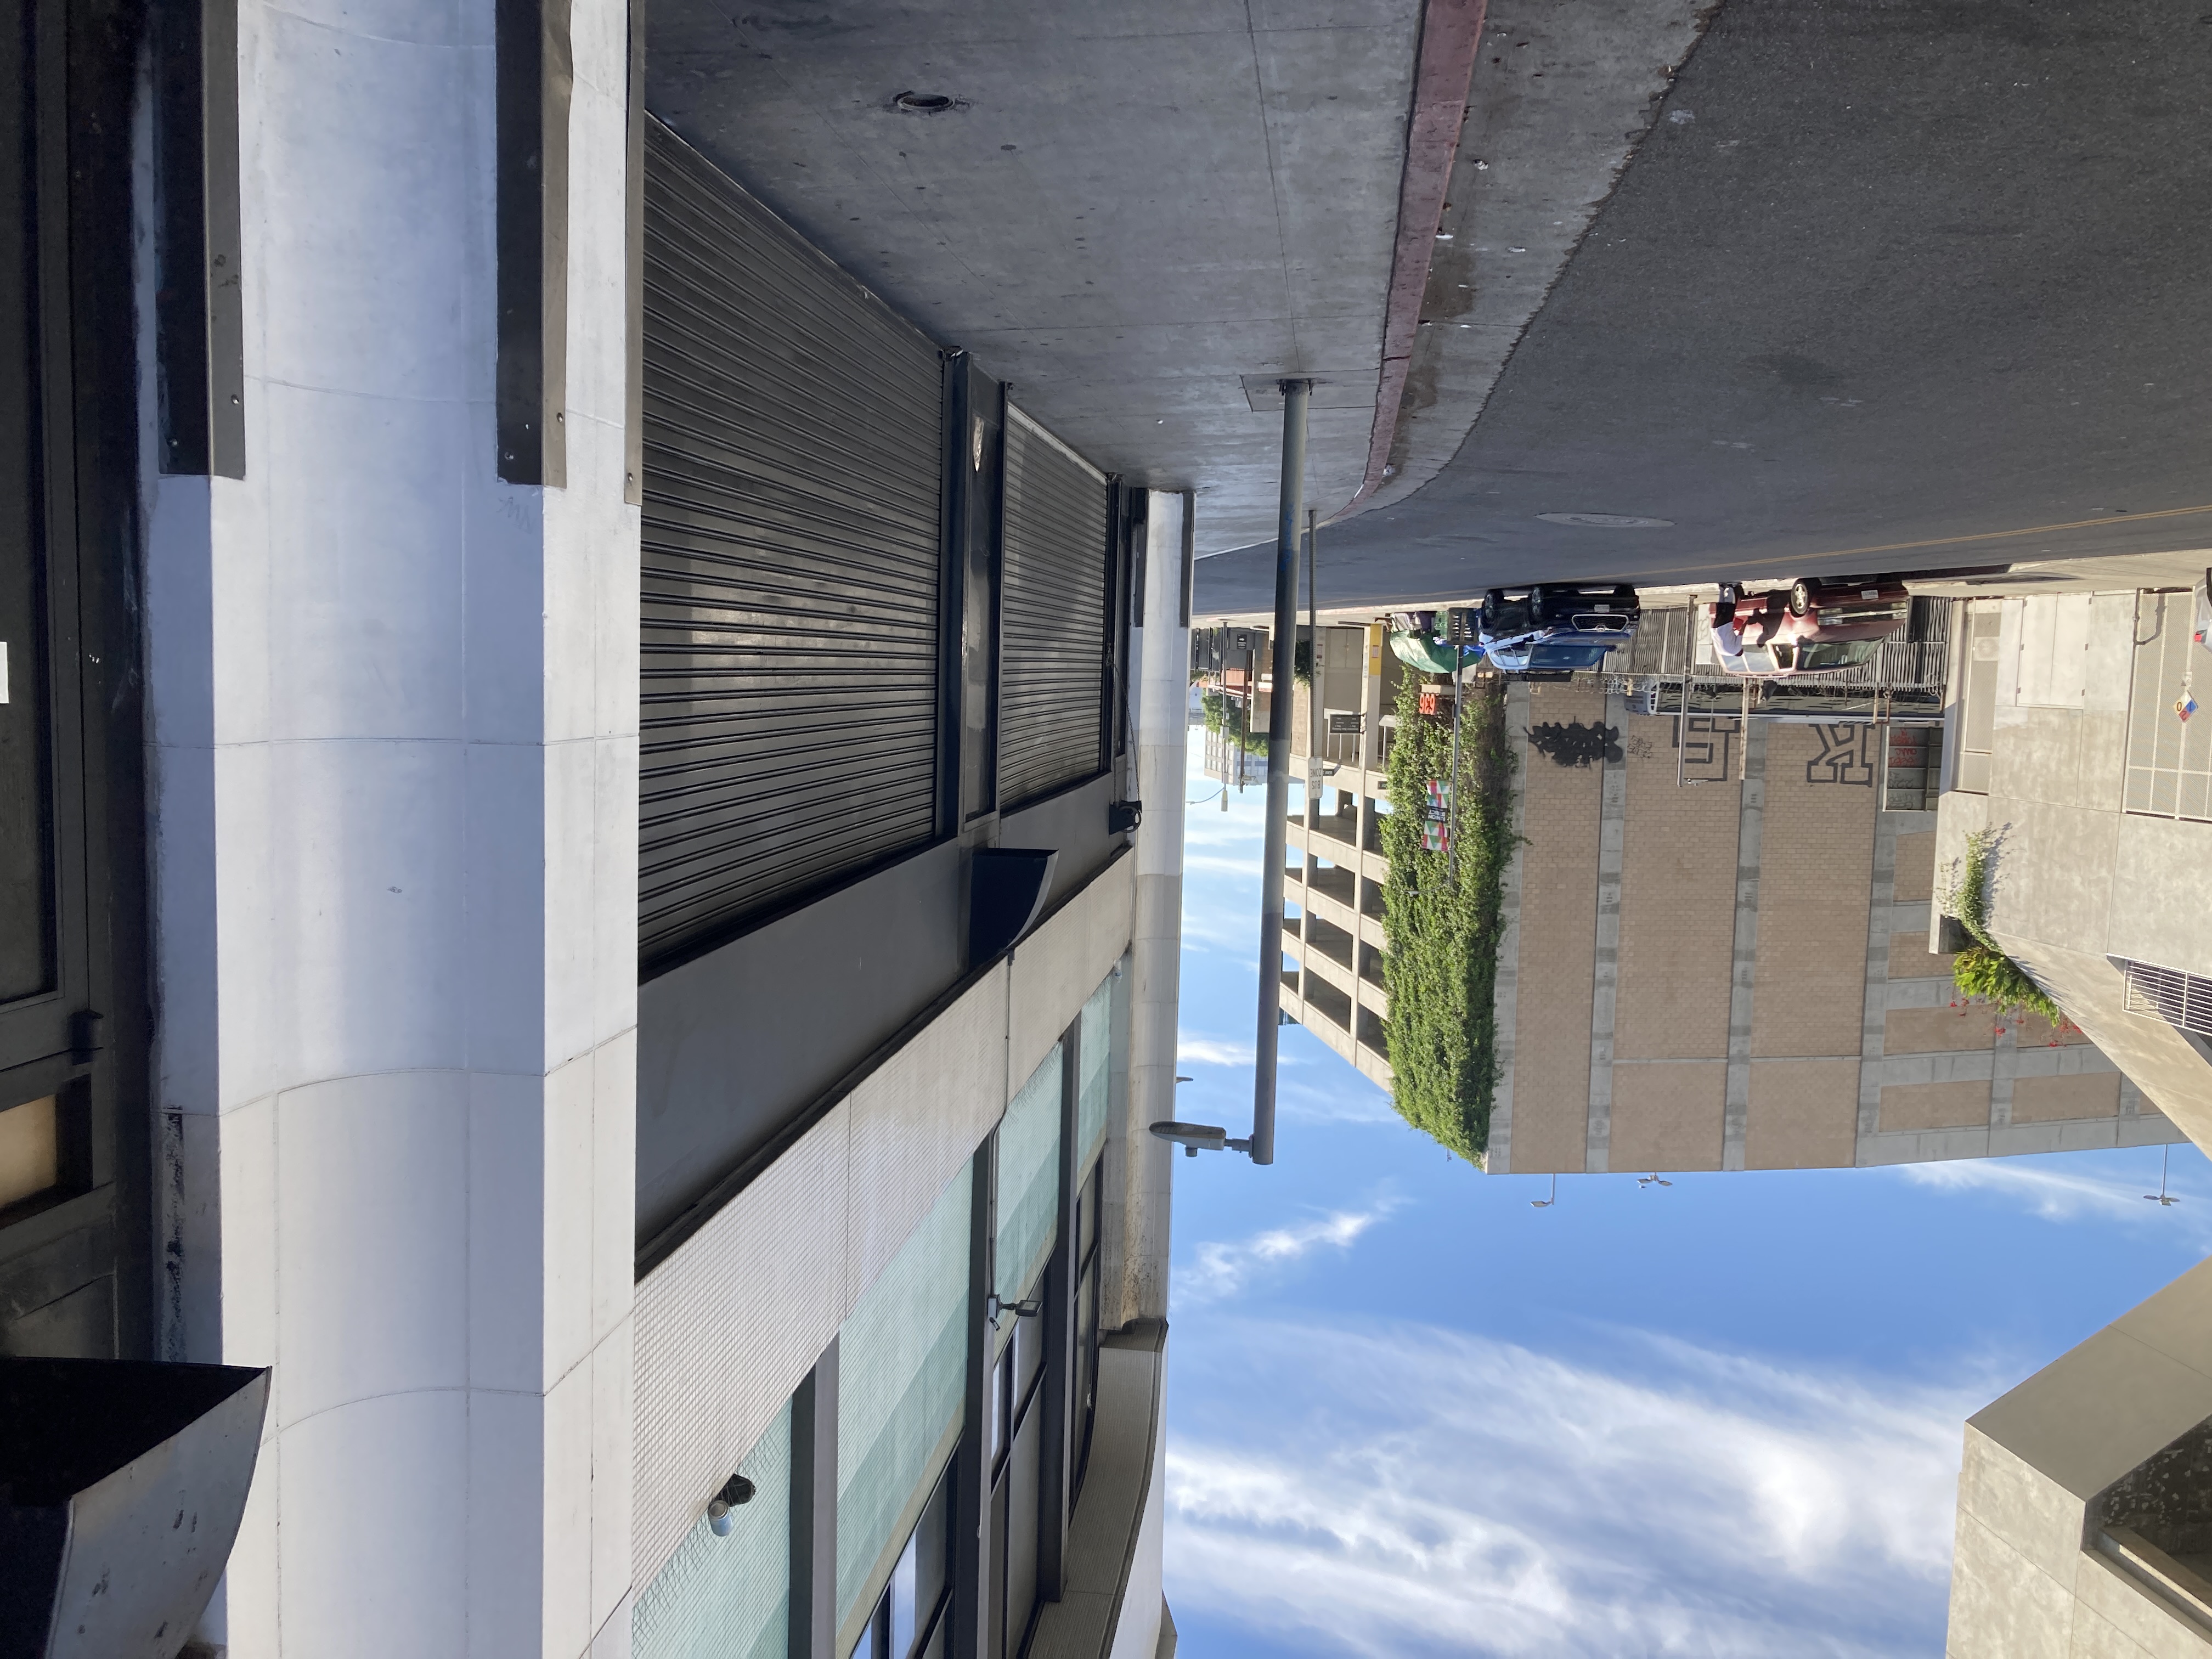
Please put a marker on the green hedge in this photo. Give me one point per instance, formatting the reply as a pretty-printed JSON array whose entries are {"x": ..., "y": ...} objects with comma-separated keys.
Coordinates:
[
  {"x": 1226, "y": 714},
  {"x": 1983, "y": 971},
  {"x": 1442, "y": 931}
]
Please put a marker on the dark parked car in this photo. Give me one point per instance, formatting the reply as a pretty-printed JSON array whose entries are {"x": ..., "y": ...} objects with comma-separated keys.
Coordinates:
[{"x": 1556, "y": 627}]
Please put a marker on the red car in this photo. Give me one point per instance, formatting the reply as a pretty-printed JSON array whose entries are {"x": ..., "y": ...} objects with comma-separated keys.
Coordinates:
[{"x": 1814, "y": 627}]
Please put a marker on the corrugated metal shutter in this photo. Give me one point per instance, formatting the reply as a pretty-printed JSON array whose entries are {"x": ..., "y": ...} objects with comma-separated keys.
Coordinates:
[
  {"x": 793, "y": 558},
  {"x": 1053, "y": 616}
]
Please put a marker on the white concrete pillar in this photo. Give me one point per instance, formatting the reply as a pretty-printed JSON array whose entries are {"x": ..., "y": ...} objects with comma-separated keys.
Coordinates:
[
  {"x": 395, "y": 728},
  {"x": 1163, "y": 674}
]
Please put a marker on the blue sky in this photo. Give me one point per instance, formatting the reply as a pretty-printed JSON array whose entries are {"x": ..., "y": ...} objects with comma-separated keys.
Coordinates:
[{"x": 1408, "y": 1415}]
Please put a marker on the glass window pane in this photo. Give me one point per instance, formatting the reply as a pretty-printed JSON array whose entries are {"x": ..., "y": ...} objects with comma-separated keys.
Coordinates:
[
  {"x": 728, "y": 1596},
  {"x": 26, "y": 780},
  {"x": 1086, "y": 1366},
  {"x": 1002, "y": 1388},
  {"x": 994, "y": 1631},
  {"x": 933, "y": 1554},
  {"x": 900, "y": 1596},
  {"x": 901, "y": 1371},
  {"x": 30, "y": 1150},
  {"x": 1025, "y": 1506},
  {"x": 1086, "y": 1329},
  {"x": 1029, "y": 1346},
  {"x": 1097, "y": 1050},
  {"x": 1028, "y": 1179},
  {"x": 1086, "y": 1215}
]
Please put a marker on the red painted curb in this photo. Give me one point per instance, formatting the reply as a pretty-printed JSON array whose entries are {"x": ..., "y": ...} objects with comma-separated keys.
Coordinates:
[{"x": 1451, "y": 35}]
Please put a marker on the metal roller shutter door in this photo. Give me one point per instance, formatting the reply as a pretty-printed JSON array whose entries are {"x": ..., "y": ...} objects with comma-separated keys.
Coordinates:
[
  {"x": 792, "y": 564},
  {"x": 1053, "y": 616}
]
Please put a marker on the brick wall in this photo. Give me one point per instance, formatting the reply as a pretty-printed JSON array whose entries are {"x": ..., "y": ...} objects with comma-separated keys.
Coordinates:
[
  {"x": 1677, "y": 908},
  {"x": 1666, "y": 1114},
  {"x": 1964, "y": 1105},
  {"x": 1938, "y": 1031},
  {"x": 2048, "y": 1099},
  {"x": 1815, "y": 880},
  {"x": 1558, "y": 944},
  {"x": 1803, "y": 1114},
  {"x": 1911, "y": 958}
]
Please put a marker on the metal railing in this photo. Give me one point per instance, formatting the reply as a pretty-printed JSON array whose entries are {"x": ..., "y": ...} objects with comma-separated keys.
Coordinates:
[
  {"x": 2182, "y": 1000},
  {"x": 1674, "y": 643}
]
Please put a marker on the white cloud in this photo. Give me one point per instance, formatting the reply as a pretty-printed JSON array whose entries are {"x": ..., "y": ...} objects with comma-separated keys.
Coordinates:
[
  {"x": 1219, "y": 1270},
  {"x": 1338, "y": 1094},
  {"x": 1237, "y": 935},
  {"x": 2057, "y": 1193},
  {"x": 1210, "y": 864},
  {"x": 1212, "y": 1051},
  {"x": 1225, "y": 830},
  {"x": 1409, "y": 1490}
]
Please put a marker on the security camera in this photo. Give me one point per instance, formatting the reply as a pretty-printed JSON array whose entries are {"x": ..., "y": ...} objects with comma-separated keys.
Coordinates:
[{"x": 735, "y": 1491}]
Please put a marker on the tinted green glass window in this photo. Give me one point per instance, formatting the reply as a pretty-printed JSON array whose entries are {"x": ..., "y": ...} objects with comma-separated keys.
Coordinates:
[
  {"x": 1029, "y": 1180},
  {"x": 728, "y": 1598},
  {"x": 26, "y": 899},
  {"x": 901, "y": 1371}
]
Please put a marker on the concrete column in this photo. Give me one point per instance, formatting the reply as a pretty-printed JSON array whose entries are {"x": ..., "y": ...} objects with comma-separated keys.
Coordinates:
[
  {"x": 1873, "y": 1024},
  {"x": 1372, "y": 703},
  {"x": 1744, "y": 969},
  {"x": 1605, "y": 986},
  {"x": 2004, "y": 1073},
  {"x": 813, "y": 1622},
  {"x": 395, "y": 706},
  {"x": 1157, "y": 943}
]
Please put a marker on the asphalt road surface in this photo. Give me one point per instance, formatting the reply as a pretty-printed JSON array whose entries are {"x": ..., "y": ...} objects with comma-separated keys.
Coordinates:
[{"x": 1893, "y": 284}]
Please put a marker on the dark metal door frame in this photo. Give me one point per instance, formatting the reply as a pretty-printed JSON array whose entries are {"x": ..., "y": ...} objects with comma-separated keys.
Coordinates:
[{"x": 84, "y": 1037}]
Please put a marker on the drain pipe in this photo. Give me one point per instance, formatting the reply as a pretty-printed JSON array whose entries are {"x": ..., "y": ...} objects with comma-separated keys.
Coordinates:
[{"x": 1296, "y": 394}]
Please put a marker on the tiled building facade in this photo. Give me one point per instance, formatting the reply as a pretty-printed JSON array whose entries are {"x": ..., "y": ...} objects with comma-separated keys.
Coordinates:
[{"x": 1726, "y": 972}]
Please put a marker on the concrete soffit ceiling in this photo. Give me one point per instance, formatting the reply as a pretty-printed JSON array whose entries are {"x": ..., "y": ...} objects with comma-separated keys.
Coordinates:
[{"x": 1141, "y": 215}]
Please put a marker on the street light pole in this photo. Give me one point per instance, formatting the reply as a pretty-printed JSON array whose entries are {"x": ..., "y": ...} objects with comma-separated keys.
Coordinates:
[{"x": 1296, "y": 394}]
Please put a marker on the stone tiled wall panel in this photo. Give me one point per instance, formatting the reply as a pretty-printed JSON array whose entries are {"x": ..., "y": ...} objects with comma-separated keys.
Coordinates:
[
  {"x": 2114, "y": 1619},
  {"x": 1677, "y": 906},
  {"x": 1558, "y": 944},
  {"x": 1815, "y": 881},
  {"x": 2002, "y": 1607},
  {"x": 728, "y": 1325},
  {"x": 918, "y": 1121},
  {"x": 1057, "y": 968}
]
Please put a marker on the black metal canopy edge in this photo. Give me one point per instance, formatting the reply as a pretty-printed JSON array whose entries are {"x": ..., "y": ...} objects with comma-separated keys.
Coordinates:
[{"x": 672, "y": 1237}]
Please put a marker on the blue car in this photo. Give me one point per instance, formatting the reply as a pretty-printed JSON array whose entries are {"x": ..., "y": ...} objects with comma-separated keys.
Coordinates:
[{"x": 1556, "y": 629}]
